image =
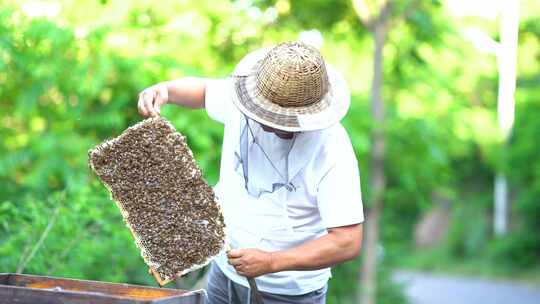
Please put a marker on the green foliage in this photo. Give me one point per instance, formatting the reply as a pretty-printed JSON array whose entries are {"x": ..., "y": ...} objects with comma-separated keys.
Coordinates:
[
  {"x": 70, "y": 81},
  {"x": 342, "y": 287},
  {"x": 388, "y": 291}
]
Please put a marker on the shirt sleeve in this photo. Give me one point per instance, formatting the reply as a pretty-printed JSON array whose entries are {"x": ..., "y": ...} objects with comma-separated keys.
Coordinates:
[
  {"x": 339, "y": 196},
  {"x": 218, "y": 98}
]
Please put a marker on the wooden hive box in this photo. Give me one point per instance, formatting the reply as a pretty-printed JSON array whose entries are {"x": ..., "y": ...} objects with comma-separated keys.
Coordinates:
[
  {"x": 31, "y": 289},
  {"x": 169, "y": 208}
]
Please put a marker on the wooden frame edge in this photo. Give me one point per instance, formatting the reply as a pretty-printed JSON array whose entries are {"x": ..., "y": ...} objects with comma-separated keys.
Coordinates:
[{"x": 158, "y": 278}]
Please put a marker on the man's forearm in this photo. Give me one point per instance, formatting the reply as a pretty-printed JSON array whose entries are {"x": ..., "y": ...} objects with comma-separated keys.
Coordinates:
[
  {"x": 326, "y": 251},
  {"x": 187, "y": 91},
  {"x": 339, "y": 245}
]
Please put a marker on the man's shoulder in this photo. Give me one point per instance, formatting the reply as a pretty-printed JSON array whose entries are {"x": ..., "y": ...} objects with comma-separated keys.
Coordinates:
[
  {"x": 338, "y": 146},
  {"x": 333, "y": 146},
  {"x": 336, "y": 138}
]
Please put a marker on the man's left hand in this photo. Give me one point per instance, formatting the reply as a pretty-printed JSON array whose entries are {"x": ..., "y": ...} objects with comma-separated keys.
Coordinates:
[{"x": 250, "y": 262}]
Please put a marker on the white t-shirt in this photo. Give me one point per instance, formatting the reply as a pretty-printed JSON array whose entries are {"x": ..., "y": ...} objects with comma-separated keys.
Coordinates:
[{"x": 322, "y": 167}]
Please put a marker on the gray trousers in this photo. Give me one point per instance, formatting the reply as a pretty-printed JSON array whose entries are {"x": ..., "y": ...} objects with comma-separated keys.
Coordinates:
[{"x": 221, "y": 290}]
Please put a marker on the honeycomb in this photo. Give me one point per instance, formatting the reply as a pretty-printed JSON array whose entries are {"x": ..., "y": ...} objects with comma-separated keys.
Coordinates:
[{"x": 170, "y": 209}]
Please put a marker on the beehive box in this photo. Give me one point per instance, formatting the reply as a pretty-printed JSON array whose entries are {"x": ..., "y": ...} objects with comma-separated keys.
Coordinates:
[
  {"x": 171, "y": 211},
  {"x": 32, "y": 289}
]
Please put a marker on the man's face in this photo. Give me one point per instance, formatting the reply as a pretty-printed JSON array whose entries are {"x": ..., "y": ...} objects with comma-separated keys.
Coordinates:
[{"x": 279, "y": 133}]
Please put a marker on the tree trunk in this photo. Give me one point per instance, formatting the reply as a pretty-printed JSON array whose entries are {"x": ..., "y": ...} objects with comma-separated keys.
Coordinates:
[
  {"x": 507, "y": 61},
  {"x": 500, "y": 213},
  {"x": 377, "y": 180}
]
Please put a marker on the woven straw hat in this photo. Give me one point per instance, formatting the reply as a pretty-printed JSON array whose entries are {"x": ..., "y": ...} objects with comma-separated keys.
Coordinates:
[{"x": 289, "y": 87}]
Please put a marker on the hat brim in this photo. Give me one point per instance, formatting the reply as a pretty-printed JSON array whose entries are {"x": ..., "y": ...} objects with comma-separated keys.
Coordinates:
[{"x": 323, "y": 114}]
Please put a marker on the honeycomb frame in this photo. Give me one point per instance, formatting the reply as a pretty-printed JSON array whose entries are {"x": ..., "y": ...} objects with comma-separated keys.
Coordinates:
[{"x": 170, "y": 210}]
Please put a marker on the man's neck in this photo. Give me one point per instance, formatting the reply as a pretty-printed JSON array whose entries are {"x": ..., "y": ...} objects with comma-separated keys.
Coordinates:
[
  {"x": 279, "y": 133},
  {"x": 285, "y": 135}
]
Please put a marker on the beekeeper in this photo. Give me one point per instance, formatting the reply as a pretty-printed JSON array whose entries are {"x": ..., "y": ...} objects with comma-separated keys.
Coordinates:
[{"x": 289, "y": 184}]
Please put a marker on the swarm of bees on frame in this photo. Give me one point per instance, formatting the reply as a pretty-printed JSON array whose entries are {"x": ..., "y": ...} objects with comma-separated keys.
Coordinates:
[{"x": 170, "y": 209}]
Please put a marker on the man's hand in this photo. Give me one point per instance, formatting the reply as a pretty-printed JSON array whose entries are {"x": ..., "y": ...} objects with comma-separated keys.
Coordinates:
[
  {"x": 250, "y": 262},
  {"x": 151, "y": 99}
]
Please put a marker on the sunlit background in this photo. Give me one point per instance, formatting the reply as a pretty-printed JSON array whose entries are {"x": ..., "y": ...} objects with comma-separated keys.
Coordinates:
[{"x": 458, "y": 214}]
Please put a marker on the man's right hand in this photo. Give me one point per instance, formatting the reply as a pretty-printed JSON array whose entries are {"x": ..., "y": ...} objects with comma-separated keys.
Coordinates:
[{"x": 151, "y": 99}]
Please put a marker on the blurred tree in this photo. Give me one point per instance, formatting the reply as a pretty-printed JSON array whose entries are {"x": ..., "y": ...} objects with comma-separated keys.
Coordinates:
[
  {"x": 507, "y": 64},
  {"x": 378, "y": 17},
  {"x": 70, "y": 72}
]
